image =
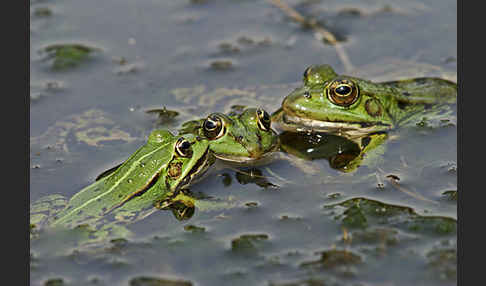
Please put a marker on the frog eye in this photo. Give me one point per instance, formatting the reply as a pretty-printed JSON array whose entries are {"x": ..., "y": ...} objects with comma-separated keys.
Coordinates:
[
  {"x": 342, "y": 92},
  {"x": 183, "y": 147},
  {"x": 263, "y": 119},
  {"x": 213, "y": 127}
]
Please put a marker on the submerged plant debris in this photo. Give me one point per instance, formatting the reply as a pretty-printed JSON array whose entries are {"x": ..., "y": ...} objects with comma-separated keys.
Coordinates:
[
  {"x": 335, "y": 257},
  {"x": 248, "y": 243},
  {"x": 164, "y": 115},
  {"x": 68, "y": 56},
  {"x": 150, "y": 281},
  {"x": 362, "y": 213}
]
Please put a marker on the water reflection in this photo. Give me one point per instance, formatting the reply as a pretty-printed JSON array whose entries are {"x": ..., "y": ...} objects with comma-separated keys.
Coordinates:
[
  {"x": 342, "y": 153},
  {"x": 182, "y": 211},
  {"x": 253, "y": 176}
]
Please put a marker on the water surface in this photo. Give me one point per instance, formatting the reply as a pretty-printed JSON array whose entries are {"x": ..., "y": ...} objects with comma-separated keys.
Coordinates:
[{"x": 320, "y": 226}]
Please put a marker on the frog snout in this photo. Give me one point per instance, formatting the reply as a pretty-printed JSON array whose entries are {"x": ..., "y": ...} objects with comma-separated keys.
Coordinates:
[{"x": 293, "y": 102}]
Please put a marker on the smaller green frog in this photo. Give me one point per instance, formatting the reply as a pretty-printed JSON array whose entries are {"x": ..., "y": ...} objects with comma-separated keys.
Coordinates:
[
  {"x": 241, "y": 136},
  {"x": 154, "y": 175}
]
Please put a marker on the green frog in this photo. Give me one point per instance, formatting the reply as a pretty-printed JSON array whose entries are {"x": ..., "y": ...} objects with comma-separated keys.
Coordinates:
[
  {"x": 243, "y": 135},
  {"x": 328, "y": 102},
  {"x": 155, "y": 175},
  {"x": 159, "y": 173},
  {"x": 363, "y": 111}
]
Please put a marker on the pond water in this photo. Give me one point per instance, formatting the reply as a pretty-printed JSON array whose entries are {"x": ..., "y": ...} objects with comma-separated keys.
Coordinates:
[{"x": 299, "y": 222}]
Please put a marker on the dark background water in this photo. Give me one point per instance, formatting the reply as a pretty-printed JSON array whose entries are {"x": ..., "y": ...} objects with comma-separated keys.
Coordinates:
[{"x": 165, "y": 45}]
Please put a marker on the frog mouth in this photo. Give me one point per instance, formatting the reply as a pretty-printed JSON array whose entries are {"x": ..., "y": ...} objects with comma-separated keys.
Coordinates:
[
  {"x": 244, "y": 159},
  {"x": 347, "y": 127}
]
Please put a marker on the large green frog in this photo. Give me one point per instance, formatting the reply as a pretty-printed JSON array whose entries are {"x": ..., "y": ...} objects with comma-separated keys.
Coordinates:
[
  {"x": 243, "y": 136},
  {"x": 328, "y": 102},
  {"x": 361, "y": 110},
  {"x": 154, "y": 175}
]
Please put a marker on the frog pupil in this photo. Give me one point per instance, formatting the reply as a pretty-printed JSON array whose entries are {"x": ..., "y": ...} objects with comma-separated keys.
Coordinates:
[
  {"x": 263, "y": 119},
  {"x": 263, "y": 115},
  {"x": 209, "y": 124},
  {"x": 185, "y": 145},
  {"x": 212, "y": 126},
  {"x": 266, "y": 117},
  {"x": 343, "y": 90}
]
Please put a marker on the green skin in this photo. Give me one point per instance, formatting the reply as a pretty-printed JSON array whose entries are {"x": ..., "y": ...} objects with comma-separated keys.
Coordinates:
[
  {"x": 155, "y": 173},
  {"x": 243, "y": 137},
  {"x": 378, "y": 107},
  {"x": 367, "y": 117},
  {"x": 129, "y": 192}
]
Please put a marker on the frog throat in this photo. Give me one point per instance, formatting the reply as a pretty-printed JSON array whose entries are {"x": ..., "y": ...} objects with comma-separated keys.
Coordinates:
[
  {"x": 246, "y": 159},
  {"x": 350, "y": 128}
]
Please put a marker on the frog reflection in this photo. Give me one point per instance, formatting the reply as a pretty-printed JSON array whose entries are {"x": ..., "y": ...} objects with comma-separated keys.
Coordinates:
[
  {"x": 182, "y": 208},
  {"x": 342, "y": 153}
]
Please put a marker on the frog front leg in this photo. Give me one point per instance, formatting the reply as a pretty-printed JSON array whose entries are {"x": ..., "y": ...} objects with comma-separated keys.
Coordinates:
[{"x": 372, "y": 150}]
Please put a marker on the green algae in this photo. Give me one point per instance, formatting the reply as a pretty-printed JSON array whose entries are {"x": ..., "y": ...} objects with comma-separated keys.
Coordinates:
[
  {"x": 68, "y": 56},
  {"x": 194, "y": 228},
  {"x": 151, "y": 281},
  {"x": 164, "y": 115},
  {"x": 335, "y": 257},
  {"x": 362, "y": 213},
  {"x": 248, "y": 243},
  {"x": 54, "y": 282}
]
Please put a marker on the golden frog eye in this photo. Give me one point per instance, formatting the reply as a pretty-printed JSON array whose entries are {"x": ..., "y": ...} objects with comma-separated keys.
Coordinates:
[
  {"x": 342, "y": 92},
  {"x": 183, "y": 147},
  {"x": 213, "y": 127},
  {"x": 264, "y": 120}
]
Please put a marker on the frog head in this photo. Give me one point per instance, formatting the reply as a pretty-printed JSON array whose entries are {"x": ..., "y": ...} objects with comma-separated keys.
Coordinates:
[
  {"x": 191, "y": 158},
  {"x": 333, "y": 103},
  {"x": 243, "y": 137}
]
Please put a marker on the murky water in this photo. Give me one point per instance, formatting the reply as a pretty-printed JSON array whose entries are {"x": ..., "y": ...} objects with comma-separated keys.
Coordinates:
[{"x": 320, "y": 226}]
